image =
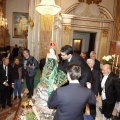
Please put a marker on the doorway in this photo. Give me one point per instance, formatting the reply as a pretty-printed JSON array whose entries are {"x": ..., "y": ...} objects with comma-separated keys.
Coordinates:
[{"x": 85, "y": 41}]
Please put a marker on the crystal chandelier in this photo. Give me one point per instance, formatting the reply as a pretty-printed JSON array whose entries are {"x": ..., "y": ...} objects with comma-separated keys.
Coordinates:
[{"x": 48, "y": 7}]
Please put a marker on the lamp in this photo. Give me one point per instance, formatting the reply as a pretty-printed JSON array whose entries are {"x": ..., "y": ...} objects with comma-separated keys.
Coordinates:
[{"x": 48, "y": 7}]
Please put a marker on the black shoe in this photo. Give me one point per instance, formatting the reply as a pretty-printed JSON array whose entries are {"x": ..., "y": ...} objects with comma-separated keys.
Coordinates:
[
  {"x": 19, "y": 97},
  {"x": 100, "y": 109},
  {"x": 29, "y": 96},
  {"x": 15, "y": 97},
  {"x": 9, "y": 104},
  {"x": 115, "y": 118},
  {"x": 3, "y": 106}
]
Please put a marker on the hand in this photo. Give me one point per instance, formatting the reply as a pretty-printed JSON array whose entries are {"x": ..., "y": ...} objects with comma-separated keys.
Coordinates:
[
  {"x": 88, "y": 85},
  {"x": 6, "y": 84},
  {"x": 22, "y": 80},
  {"x": 12, "y": 85},
  {"x": 54, "y": 87}
]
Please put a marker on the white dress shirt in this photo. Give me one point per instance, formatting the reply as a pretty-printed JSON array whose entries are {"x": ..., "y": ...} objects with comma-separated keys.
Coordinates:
[
  {"x": 6, "y": 71},
  {"x": 103, "y": 87}
]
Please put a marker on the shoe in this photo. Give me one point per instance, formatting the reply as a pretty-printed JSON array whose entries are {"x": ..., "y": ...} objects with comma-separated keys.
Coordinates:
[
  {"x": 15, "y": 97},
  {"x": 3, "y": 106},
  {"x": 10, "y": 105},
  {"x": 100, "y": 109},
  {"x": 29, "y": 96},
  {"x": 19, "y": 97},
  {"x": 115, "y": 118}
]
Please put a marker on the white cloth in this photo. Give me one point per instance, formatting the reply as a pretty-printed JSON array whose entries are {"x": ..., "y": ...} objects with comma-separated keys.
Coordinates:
[{"x": 103, "y": 87}]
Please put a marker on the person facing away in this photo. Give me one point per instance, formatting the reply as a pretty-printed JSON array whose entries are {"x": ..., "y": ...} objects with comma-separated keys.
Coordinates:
[
  {"x": 17, "y": 77},
  {"x": 15, "y": 51},
  {"x": 68, "y": 56},
  {"x": 30, "y": 65},
  {"x": 110, "y": 91},
  {"x": 5, "y": 82},
  {"x": 71, "y": 100},
  {"x": 95, "y": 83},
  {"x": 97, "y": 63}
]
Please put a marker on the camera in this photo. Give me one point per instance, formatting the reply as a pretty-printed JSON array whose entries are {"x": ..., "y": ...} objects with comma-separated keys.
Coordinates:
[{"x": 29, "y": 63}]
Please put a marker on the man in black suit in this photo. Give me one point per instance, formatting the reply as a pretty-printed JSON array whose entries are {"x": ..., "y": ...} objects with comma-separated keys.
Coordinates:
[
  {"x": 110, "y": 91},
  {"x": 5, "y": 82},
  {"x": 95, "y": 83},
  {"x": 42, "y": 64},
  {"x": 97, "y": 63},
  {"x": 15, "y": 51},
  {"x": 10, "y": 56},
  {"x": 68, "y": 56},
  {"x": 71, "y": 100}
]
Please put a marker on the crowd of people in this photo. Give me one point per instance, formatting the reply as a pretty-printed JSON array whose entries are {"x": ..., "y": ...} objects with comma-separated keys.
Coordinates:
[{"x": 68, "y": 83}]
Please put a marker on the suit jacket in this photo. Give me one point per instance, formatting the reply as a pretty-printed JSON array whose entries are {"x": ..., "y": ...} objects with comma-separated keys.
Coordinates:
[
  {"x": 97, "y": 65},
  {"x": 70, "y": 101},
  {"x": 95, "y": 83},
  {"x": 112, "y": 88},
  {"x": 85, "y": 69},
  {"x": 3, "y": 77}
]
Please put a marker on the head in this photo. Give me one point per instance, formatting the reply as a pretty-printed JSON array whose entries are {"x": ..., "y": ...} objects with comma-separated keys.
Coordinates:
[
  {"x": 73, "y": 72},
  {"x": 26, "y": 53},
  {"x": 16, "y": 45},
  {"x": 93, "y": 55},
  {"x": 17, "y": 61},
  {"x": 90, "y": 62},
  {"x": 6, "y": 61},
  {"x": 66, "y": 52},
  {"x": 8, "y": 51},
  {"x": 106, "y": 69},
  {"x": 83, "y": 55}
]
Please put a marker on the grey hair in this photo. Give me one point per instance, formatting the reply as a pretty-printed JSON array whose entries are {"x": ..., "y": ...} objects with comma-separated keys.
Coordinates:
[{"x": 90, "y": 61}]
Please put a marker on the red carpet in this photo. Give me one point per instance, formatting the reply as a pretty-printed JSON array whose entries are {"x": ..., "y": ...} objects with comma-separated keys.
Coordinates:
[{"x": 9, "y": 112}]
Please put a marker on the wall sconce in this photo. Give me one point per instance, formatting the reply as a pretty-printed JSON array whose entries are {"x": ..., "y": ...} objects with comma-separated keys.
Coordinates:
[{"x": 30, "y": 22}]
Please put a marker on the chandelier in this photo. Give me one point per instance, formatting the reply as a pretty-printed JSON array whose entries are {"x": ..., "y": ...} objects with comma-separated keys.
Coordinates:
[
  {"x": 91, "y": 1},
  {"x": 48, "y": 7},
  {"x": 3, "y": 22}
]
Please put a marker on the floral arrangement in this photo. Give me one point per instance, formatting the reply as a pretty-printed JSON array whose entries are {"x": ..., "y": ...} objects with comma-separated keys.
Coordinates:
[
  {"x": 108, "y": 59},
  {"x": 27, "y": 114}
]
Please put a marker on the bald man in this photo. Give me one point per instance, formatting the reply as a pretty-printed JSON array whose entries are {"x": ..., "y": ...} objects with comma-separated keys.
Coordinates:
[
  {"x": 110, "y": 91},
  {"x": 5, "y": 83}
]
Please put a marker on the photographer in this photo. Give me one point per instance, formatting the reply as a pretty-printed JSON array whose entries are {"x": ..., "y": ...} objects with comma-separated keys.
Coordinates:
[{"x": 30, "y": 65}]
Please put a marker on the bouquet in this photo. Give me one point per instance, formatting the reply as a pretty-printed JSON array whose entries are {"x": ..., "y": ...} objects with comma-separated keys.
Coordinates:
[{"x": 108, "y": 59}]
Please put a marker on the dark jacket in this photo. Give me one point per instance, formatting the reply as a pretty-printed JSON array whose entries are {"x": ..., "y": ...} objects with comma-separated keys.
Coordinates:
[
  {"x": 70, "y": 101},
  {"x": 97, "y": 65},
  {"x": 34, "y": 63},
  {"x": 95, "y": 84},
  {"x": 17, "y": 72},
  {"x": 85, "y": 69},
  {"x": 3, "y": 77}
]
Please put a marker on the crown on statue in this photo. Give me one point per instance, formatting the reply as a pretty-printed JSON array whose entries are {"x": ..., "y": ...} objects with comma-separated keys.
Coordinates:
[{"x": 51, "y": 44}]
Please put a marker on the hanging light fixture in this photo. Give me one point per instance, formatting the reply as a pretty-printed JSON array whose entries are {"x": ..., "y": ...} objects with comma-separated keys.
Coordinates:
[{"x": 48, "y": 7}]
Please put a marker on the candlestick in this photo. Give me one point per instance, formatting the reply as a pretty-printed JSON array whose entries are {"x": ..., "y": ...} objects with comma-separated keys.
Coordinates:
[{"x": 117, "y": 60}]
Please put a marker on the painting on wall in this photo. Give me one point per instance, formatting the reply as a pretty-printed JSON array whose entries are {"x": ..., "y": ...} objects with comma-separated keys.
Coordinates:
[{"x": 20, "y": 24}]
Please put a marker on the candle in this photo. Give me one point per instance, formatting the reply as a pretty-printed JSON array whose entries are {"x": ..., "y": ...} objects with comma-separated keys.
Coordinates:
[{"x": 117, "y": 60}]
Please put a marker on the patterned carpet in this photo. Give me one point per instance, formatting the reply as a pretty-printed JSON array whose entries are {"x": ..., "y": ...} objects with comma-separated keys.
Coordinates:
[{"x": 9, "y": 112}]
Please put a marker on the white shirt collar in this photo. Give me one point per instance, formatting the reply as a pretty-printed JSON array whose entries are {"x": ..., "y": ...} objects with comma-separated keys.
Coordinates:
[
  {"x": 74, "y": 81},
  {"x": 69, "y": 59}
]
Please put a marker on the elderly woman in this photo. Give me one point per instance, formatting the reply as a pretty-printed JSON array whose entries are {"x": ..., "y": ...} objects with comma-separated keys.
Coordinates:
[{"x": 50, "y": 75}]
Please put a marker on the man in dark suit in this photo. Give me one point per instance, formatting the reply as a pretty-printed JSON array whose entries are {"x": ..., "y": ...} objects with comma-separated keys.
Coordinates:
[
  {"x": 10, "y": 56},
  {"x": 110, "y": 91},
  {"x": 95, "y": 83},
  {"x": 68, "y": 56},
  {"x": 71, "y": 100},
  {"x": 5, "y": 82},
  {"x": 15, "y": 51},
  {"x": 97, "y": 63}
]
